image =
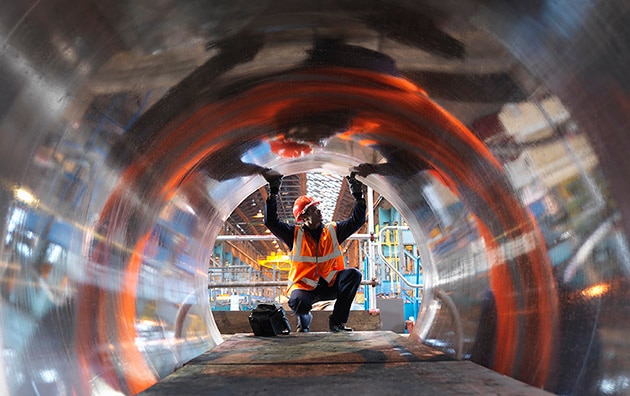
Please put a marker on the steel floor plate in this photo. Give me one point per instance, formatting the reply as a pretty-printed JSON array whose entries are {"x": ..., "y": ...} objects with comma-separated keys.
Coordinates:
[{"x": 358, "y": 363}]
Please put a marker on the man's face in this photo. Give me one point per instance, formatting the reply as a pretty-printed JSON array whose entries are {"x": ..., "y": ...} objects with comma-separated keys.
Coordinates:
[{"x": 312, "y": 217}]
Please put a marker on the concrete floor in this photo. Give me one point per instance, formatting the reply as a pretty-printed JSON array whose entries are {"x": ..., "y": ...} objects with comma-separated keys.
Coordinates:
[{"x": 321, "y": 363}]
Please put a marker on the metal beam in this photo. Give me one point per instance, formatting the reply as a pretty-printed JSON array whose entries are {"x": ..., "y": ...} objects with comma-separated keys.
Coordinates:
[{"x": 272, "y": 237}]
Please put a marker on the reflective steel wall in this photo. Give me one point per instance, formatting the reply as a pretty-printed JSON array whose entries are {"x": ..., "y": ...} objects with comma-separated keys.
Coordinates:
[{"x": 131, "y": 130}]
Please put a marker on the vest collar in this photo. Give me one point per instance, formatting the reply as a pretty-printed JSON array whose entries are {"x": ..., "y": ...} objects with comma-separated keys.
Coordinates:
[{"x": 316, "y": 233}]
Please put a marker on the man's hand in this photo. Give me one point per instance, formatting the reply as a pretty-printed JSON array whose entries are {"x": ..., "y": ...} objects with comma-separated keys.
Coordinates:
[
  {"x": 363, "y": 169},
  {"x": 356, "y": 187},
  {"x": 274, "y": 179}
]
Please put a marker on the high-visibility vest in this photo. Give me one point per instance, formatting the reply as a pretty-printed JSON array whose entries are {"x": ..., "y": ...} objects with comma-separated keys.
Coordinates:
[{"x": 312, "y": 260}]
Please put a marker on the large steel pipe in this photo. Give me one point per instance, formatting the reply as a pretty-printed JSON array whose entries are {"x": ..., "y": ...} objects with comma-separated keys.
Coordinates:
[{"x": 131, "y": 130}]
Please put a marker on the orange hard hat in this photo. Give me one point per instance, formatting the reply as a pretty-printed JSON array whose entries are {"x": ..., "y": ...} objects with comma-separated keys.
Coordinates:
[{"x": 302, "y": 203}]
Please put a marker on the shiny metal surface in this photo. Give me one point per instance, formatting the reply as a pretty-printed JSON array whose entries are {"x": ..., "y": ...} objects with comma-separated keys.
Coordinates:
[{"x": 131, "y": 130}]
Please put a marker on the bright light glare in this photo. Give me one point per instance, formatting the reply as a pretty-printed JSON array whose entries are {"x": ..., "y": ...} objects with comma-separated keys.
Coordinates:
[
  {"x": 596, "y": 290},
  {"x": 25, "y": 196}
]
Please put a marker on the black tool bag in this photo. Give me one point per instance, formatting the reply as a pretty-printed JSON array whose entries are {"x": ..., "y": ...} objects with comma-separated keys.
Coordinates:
[{"x": 269, "y": 320}]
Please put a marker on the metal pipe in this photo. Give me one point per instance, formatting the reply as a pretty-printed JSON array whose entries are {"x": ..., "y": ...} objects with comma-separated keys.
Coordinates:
[
  {"x": 371, "y": 257},
  {"x": 457, "y": 320},
  {"x": 390, "y": 265},
  {"x": 212, "y": 285},
  {"x": 135, "y": 191}
]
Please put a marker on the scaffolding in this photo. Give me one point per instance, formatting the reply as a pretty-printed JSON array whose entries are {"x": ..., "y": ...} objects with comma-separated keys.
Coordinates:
[{"x": 391, "y": 265}]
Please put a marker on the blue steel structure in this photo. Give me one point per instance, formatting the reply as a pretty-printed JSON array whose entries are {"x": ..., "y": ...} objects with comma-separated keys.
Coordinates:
[{"x": 409, "y": 265}]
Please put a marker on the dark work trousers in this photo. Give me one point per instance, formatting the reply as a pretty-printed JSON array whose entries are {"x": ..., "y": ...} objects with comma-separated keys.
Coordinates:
[{"x": 344, "y": 289}]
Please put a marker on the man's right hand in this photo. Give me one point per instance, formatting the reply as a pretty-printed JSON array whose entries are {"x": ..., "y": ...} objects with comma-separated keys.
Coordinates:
[
  {"x": 356, "y": 187},
  {"x": 274, "y": 179}
]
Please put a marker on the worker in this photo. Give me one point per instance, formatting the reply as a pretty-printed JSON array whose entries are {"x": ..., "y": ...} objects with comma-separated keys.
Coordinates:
[{"x": 317, "y": 271}]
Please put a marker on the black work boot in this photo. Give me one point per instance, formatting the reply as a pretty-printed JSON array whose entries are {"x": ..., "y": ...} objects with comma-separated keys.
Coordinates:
[
  {"x": 304, "y": 322},
  {"x": 337, "y": 327}
]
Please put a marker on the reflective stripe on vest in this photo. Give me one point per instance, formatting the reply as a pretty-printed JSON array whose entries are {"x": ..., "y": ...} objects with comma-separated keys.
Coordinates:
[{"x": 308, "y": 281}]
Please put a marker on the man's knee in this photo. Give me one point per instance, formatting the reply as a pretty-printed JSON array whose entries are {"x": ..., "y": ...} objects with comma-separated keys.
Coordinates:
[
  {"x": 299, "y": 303},
  {"x": 352, "y": 275}
]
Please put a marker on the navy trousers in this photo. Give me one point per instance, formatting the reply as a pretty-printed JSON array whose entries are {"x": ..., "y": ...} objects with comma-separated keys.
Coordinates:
[{"x": 344, "y": 289}]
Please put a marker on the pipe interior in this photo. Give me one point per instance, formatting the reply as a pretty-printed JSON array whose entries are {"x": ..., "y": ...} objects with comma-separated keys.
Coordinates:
[{"x": 131, "y": 132}]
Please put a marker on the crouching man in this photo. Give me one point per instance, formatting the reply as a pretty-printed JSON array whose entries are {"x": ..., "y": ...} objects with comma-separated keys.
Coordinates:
[{"x": 317, "y": 265}]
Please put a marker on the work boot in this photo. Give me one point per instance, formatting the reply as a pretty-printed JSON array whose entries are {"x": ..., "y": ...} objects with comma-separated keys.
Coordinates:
[
  {"x": 304, "y": 322},
  {"x": 337, "y": 327}
]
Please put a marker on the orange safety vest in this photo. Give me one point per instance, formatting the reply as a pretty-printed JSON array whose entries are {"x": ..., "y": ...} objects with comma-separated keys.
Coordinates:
[{"x": 311, "y": 261}]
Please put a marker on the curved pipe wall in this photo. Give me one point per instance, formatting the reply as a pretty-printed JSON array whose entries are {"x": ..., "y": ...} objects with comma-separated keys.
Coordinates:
[{"x": 131, "y": 131}]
